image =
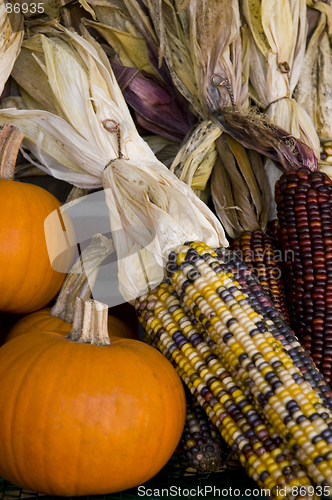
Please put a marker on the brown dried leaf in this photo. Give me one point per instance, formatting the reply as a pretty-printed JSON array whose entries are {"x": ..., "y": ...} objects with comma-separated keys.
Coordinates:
[
  {"x": 241, "y": 157},
  {"x": 241, "y": 194},
  {"x": 30, "y": 76}
]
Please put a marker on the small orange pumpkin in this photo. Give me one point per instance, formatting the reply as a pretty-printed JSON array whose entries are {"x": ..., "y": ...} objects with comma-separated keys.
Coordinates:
[
  {"x": 27, "y": 279},
  {"x": 81, "y": 419},
  {"x": 42, "y": 321}
]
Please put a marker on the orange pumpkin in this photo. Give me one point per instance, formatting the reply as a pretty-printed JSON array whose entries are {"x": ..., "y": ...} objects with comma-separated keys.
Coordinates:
[
  {"x": 42, "y": 321},
  {"x": 27, "y": 279},
  {"x": 80, "y": 419}
]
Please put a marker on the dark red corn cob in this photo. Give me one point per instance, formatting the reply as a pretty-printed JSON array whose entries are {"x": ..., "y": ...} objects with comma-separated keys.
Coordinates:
[
  {"x": 304, "y": 202},
  {"x": 201, "y": 444},
  {"x": 259, "y": 252}
]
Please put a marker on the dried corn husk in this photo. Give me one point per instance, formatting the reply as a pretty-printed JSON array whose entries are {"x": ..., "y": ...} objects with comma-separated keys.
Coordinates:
[
  {"x": 29, "y": 73},
  {"x": 255, "y": 131},
  {"x": 155, "y": 108},
  {"x": 11, "y": 36},
  {"x": 240, "y": 188},
  {"x": 216, "y": 44},
  {"x": 194, "y": 162},
  {"x": 116, "y": 27},
  {"x": 278, "y": 37},
  {"x": 151, "y": 211},
  {"x": 174, "y": 47},
  {"x": 314, "y": 90}
]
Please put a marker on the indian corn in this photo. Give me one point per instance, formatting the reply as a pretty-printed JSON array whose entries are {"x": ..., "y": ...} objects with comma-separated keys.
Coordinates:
[
  {"x": 258, "y": 251},
  {"x": 199, "y": 278},
  {"x": 304, "y": 201},
  {"x": 201, "y": 444}
]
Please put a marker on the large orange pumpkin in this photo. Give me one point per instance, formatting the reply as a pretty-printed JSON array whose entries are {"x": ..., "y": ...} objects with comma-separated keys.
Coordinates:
[
  {"x": 80, "y": 419},
  {"x": 42, "y": 321}
]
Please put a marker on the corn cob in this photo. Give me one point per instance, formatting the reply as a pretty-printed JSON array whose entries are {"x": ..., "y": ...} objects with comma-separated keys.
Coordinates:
[
  {"x": 237, "y": 373},
  {"x": 295, "y": 467},
  {"x": 257, "y": 250},
  {"x": 291, "y": 405},
  {"x": 201, "y": 444},
  {"x": 279, "y": 328},
  {"x": 304, "y": 202},
  {"x": 241, "y": 430}
]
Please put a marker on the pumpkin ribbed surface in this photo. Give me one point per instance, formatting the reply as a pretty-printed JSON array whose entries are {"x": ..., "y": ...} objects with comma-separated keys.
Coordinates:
[
  {"x": 80, "y": 419},
  {"x": 28, "y": 281}
]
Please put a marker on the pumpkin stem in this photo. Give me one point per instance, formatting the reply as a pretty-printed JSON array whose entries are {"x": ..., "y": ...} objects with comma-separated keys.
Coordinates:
[
  {"x": 10, "y": 141},
  {"x": 90, "y": 323},
  {"x": 76, "y": 330},
  {"x": 81, "y": 278}
]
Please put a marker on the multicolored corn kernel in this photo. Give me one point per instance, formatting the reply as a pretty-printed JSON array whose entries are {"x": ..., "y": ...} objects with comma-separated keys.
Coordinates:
[
  {"x": 201, "y": 444},
  {"x": 304, "y": 203},
  {"x": 273, "y": 380},
  {"x": 259, "y": 252},
  {"x": 292, "y": 405},
  {"x": 280, "y": 329},
  {"x": 160, "y": 313}
]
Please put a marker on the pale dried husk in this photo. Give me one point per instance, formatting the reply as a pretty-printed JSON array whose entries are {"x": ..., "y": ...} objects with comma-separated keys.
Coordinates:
[
  {"x": 11, "y": 36},
  {"x": 192, "y": 39},
  {"x": 194, "y": 162},
  {"x": 314, "y": 90},
  {"x": 215, "y": 35},
  {"x": 277, "y": 49},
  {"x": 151, "y": 211}
]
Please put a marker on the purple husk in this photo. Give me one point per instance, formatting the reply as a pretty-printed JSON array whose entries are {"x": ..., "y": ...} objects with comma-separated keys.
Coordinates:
[
  {"x": 155, "y": 108},
  {"x": 255, "y": 132}
]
